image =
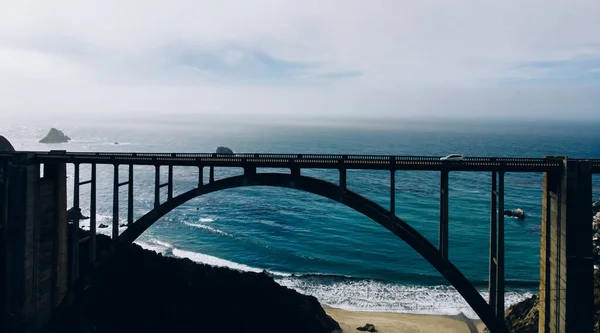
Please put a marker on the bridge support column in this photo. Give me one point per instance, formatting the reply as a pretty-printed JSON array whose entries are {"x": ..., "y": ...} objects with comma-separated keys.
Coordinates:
[
  {"x": 342, "y": 181},
  {"x": 443, "y": 237},
  {"x": 156, "y": 186},
  {"x": 496, "y": 267},
  {"x": 493, "y": 278},
  {"x": 211, "y": 175},
  {"x": 93, "y": 214},
  {"x": 115, "y": 221},
  {"x": 200, "y": 176},
  {"x": 170, "y": 186},
  {"x": 500, "y": 248},
  {"x": 130, "y": 197},
  {"x": 75, "y": 227},
  {"x": 566, "y": 267},
  {"x": 393, "y": 193},
  {"x": 35, "y": 272}
]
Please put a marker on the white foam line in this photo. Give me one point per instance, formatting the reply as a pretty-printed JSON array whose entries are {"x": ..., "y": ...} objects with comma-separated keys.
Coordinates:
[{"x": 209, "y": 228}]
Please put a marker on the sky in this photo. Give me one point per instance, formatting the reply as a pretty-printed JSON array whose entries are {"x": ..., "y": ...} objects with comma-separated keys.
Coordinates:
[{"x": 301, "y": 59}]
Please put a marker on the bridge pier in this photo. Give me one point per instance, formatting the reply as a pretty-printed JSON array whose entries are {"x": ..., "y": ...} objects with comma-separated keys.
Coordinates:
[
  {"x": 35, "y": 249},
  {"x": 566, "y": 267}
]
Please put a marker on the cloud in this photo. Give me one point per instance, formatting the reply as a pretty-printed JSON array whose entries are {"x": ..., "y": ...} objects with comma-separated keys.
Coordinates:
[
  {"x": 576, "y": 71},
  {"x": 360, "y": 57}
]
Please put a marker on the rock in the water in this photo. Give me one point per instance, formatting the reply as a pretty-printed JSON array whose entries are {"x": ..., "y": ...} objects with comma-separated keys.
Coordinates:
[
  {"x": 5, "y": 144},
  {"x": 368, "y": 328},
  {"x": 596, "y": 206},
  {"x": 103, "y": 226},
  {"x": 518, "y": 213},
  {"x": 72, "y": 214},
  {"x": 224, "y": 151},
  {"x": 55, "y": 136},
  {"x": 122, "y": 225}
]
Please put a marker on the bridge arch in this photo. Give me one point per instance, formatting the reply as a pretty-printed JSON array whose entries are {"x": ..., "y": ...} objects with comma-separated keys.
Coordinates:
[{"x": 352, "y": 200}]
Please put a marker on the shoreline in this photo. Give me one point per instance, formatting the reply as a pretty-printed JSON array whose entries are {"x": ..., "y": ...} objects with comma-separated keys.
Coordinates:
[{"x": 394, "y": 322}]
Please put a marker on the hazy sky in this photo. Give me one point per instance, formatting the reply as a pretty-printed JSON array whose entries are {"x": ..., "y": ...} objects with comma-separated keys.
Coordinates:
[{"x": 303, "y": 58}]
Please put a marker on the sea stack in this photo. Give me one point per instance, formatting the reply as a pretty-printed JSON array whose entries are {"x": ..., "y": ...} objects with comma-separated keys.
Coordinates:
[
  {"x": 55, "y": 136},
  {"x": 224, "y": 151}
]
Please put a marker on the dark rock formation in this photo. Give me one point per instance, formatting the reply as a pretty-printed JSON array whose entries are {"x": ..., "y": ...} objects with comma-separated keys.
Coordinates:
[
  {"x": 141, "y": 291},
  {"x": 518, "y": 213},
  {"x": 368, "y": 328},
  {"x": 5, "y": 144},
  {"x": 55, "y": 136},
  {"x": 103, "y": 226},
  {"x": 224, "y": 151},
  {"x": 72, "y": 213}
]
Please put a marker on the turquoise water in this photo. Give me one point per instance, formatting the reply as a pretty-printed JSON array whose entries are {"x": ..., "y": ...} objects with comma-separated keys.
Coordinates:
[{"x": 334, "y": 253}]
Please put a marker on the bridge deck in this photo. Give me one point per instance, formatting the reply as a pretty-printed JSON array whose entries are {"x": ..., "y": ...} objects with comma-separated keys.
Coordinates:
[{"x": 317, "y": 161}]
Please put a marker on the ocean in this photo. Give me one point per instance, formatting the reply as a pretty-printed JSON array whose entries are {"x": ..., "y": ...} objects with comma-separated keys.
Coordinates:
[{"x": 320, "y": 247}]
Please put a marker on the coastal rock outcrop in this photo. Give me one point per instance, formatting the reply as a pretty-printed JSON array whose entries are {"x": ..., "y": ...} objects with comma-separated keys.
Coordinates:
[
  {"x": 224, "y": 151},
  {"x": 142, "y": 291},
  {"x": 367, "y": 328},
  {"x": 55, "y": 136},
  {"x": 73, "y": 213},
  {"x": 5, "y": 144},
  {"x": 518, "y": 213},
  {"x": 596, "y": 206}
]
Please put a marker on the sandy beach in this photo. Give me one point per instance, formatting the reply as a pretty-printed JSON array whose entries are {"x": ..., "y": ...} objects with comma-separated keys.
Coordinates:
[{"x": 390, "y": 322}]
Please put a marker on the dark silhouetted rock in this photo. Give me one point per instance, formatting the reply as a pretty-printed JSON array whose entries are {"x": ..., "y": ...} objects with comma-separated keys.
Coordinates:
[
  {"x": 103, "y": 226},
  {"x": 518, "y": 213},
  {"x": 5, "y": 145},
  {"x": 72, "y": 214},
  {"x": 368, "y": 328},
  {"x": 142, "y": 291},
  {"x": 55, "y": 136},
  {"x": 122, "y": 225},
  {"x": 224, "y": 151}
]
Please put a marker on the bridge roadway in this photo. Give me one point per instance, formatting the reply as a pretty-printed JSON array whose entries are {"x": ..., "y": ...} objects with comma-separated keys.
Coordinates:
[{"x": 316, "y": 161}]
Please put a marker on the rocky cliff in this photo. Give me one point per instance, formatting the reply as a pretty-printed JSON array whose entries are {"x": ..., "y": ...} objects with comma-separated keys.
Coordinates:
[{"x": 142, "y": 291}]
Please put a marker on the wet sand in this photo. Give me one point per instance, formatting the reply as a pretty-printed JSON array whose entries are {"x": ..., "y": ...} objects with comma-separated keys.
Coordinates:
[{"x": 390, "y": 322}]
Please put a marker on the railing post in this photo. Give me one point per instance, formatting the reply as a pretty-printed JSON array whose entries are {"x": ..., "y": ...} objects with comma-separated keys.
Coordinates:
[
  {"x": 93, "y": 214},
  {"x": 493, "y": 247},
  {"x": 115, "y": 222},
  {"x": 443, "y": 232},
  {"x": 130, "y": 197}
]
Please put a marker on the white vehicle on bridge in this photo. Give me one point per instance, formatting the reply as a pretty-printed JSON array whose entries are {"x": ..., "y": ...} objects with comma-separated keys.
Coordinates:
[{"x": 453, "y": 157}]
